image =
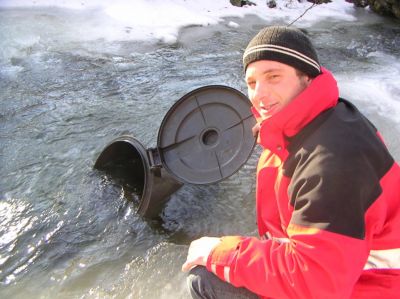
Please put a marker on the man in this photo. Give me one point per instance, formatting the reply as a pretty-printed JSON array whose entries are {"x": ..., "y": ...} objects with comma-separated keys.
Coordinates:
[{"x": 328, "y": 191}]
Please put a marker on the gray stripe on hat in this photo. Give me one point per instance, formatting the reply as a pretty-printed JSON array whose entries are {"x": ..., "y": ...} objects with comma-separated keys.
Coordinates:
[{"x": 283, "y": 50}]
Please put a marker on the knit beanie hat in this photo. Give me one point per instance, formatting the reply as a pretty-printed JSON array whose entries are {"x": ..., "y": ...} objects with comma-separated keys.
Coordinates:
[{"x": 286, "y": 45}]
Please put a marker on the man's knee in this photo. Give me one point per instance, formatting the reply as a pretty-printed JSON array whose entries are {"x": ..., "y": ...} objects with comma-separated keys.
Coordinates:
[
  {"x": 205, "y": 285},
  {"x": 198, "y": 282}
]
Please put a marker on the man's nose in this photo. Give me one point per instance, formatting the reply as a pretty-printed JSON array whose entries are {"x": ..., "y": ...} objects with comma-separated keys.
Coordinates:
[{"x": 260, "y": 90}]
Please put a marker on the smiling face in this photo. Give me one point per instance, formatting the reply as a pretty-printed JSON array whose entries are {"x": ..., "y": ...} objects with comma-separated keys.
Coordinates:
[{"x": 272, "y": 85}]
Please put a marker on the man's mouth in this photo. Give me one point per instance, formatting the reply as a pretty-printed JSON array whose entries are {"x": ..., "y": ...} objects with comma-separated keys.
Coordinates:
[{"x": 267, "y": 109}]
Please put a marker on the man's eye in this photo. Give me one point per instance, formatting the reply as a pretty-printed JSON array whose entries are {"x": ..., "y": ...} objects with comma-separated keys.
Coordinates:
[{"x": 251, "y": 83}]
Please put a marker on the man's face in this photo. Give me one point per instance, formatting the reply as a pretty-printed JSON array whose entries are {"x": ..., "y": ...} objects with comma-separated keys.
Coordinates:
[{"x": 273, "y": 85}]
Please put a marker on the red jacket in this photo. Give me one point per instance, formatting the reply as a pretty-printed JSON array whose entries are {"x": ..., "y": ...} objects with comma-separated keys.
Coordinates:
[{"x": 328, "y": 206}]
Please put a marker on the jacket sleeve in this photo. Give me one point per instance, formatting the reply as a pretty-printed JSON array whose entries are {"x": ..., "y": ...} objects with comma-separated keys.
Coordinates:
[
  {"x": 309, "y": 265},
  {"x": 325, "y": 249}
]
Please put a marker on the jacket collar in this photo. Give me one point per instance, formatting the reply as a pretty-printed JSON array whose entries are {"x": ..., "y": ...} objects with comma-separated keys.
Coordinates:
[{"x": 319, "y": 96}]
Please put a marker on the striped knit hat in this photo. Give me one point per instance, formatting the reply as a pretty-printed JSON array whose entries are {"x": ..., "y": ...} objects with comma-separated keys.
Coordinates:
[{"x": 286, "y": 45}]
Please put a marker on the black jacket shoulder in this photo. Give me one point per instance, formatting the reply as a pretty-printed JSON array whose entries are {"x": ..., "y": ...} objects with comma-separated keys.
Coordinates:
[{"x": 335, "y": 164}]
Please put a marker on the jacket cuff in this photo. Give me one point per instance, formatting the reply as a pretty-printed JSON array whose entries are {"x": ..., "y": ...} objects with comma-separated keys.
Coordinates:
[{"x": 222, "y": 256}]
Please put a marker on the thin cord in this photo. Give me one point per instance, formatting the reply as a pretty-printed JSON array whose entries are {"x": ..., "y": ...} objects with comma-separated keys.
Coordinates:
[{"x": 302, "y": 14}]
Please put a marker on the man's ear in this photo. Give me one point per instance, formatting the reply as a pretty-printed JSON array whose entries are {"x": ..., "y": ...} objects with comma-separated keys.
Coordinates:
[{"x": 308, "y": 80}]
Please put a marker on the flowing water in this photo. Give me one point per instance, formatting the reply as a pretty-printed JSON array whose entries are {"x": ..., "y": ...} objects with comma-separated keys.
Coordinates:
[{"x": 66, "y": 230}]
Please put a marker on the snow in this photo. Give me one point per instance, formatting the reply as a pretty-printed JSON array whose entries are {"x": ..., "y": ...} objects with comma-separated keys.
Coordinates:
[{"x": 161, "y": 19}]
